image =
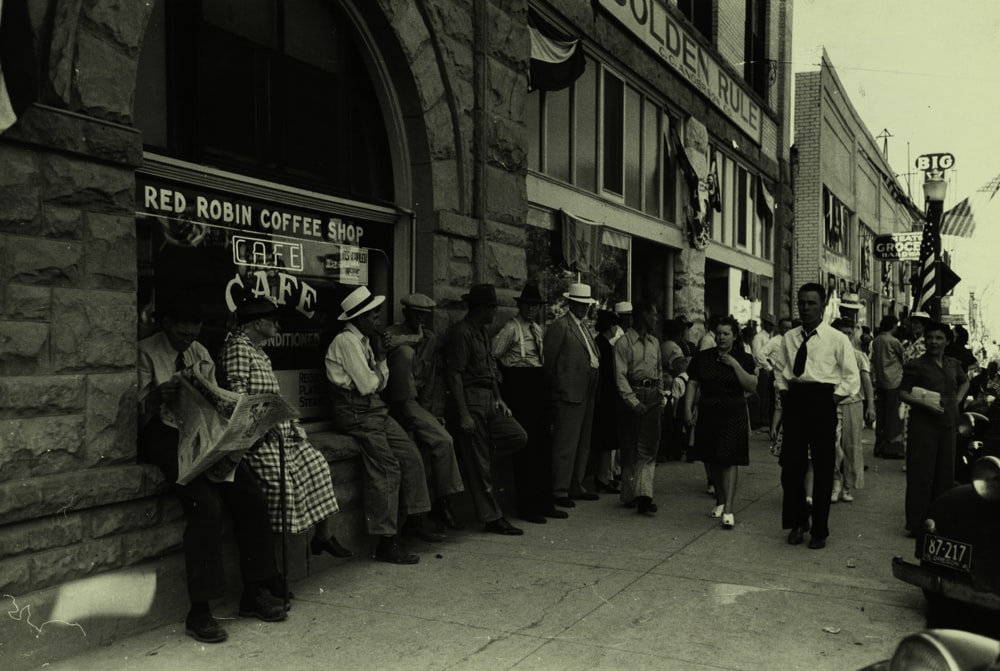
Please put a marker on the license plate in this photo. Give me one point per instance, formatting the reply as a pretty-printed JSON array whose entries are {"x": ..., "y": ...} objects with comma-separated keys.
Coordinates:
[{"x": 948, "y": 553}]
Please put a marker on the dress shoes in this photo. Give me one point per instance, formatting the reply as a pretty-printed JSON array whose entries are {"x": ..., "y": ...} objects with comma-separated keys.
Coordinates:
[
  {"x": 318, "y": 547},
  {"x": 441, "y": 513},
  {"x": 390, "y": 551},
  {"x": 203, "y": 627},
  {"x": 797, "y": 535},
  {"x": 644, "y": 505},
  {"x": 563, "y": 502},
  {"x": 556, "y": 514},
  {"x": 415, "y": 528},
  {"x": 262, "y": 608},
  {"x": 503, "y": 527},
  {"x": 817, "y": 543},
  {"x": 585, "y": 496},
  {"x": 606, "y": 487},
  {"x": 532, "y": 518},
  {"x": 846, "y": 496}
]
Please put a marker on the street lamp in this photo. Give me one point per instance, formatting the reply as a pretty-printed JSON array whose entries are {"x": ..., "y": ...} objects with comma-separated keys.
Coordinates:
[{"x": 935, "y": 189}]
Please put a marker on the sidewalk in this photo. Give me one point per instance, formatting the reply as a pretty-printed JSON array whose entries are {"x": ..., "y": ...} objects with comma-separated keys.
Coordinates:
[{"x": 605, "y": 589}]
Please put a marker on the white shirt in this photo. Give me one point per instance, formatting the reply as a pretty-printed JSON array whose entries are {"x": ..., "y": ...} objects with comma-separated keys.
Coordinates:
[
  {"x": 350, "y": 363},
  {"x": 831, "y": 360}
]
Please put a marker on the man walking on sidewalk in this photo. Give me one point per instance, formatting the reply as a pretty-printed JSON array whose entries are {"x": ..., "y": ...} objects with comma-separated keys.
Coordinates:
[
  {"x": 814, "y": 370},
  {"x": 887, "y": 371}
]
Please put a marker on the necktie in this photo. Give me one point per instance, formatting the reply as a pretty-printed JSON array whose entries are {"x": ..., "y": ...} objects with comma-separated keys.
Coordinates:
[
  {"x": 179, "y": 362},
  {"x": 800, "y": 357}
]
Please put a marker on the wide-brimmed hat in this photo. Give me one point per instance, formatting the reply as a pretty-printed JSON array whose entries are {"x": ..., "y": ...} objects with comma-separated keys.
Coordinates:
[
  {"x": 851, "y": 302},
  {"x": 767, "y": 319},
  {"x": 579, "y": 293},
  {"x": 255, "y": 308},
  {"x": 481, "y": 294},
  {"x": 418, "y": 302},
  {"x": 919, "y": 314},
  {"x": 623, "y": 308},
  {"x": 530, "y": 294},
  {"x": 358, "y": 302}
]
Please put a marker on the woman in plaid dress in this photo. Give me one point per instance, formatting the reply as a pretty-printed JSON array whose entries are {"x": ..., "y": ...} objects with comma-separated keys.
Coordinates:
[{"x": 309, "y": 498}]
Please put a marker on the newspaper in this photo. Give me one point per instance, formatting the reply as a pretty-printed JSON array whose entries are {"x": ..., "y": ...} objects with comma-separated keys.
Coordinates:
[{"x": 217, "y": 426}]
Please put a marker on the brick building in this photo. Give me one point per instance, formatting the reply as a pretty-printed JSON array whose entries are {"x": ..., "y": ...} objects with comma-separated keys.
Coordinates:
[
  {"x": 846, "y": 193},
  {"x": 220, "y": 147}
]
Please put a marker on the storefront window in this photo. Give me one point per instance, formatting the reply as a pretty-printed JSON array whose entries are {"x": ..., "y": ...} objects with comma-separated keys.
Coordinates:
[
  {"x": 215, "y": 248},
  {"x": 545, "y": 267},
  {"x": 585, "y": 127},
  {"x": 269, "y": 88}
]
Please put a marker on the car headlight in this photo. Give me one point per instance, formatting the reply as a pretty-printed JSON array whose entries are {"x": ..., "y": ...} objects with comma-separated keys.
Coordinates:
[
  {"x": 986, "y": 478},
  {"x": 944, "y": 650}
]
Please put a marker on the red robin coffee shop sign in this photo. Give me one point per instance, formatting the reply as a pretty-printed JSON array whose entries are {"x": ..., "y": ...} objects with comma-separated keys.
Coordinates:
[{"x": 676, "y": 44}]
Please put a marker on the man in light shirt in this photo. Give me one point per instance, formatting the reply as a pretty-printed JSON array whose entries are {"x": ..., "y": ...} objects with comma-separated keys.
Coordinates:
[
  {"x": 765, "y": 373},
  {"x": 395, "y": 483},
  {"x": 814, "y": 370}
]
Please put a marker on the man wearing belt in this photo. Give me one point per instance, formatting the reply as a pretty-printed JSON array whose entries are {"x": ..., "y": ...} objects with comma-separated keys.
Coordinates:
[
  {"x": 570, "y": 363},
  {"x": 814, "y": 370},
  {"x": 393, "y": 470},
  {"x": 518, "y": 350},
  {"x": 639, "y": 381},
  {"x": 482, "y": 419},
  {"x": 412, "y": 359}
]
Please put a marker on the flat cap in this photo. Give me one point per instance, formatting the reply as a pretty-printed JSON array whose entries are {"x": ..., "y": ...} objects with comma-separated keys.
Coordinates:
[{"x": 418, "y": 302}]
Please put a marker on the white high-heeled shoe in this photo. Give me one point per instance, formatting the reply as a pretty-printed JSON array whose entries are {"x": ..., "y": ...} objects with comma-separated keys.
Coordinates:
[
  {"x": 717, "y": 511},
  {"x": 728, "y": 521}
]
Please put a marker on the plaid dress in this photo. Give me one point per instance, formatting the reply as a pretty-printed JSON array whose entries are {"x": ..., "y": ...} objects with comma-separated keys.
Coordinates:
[{"x": 309, "y": 498}]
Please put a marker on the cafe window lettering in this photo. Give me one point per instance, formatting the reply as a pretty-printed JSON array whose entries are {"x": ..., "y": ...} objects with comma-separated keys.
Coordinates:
[
  {"x": 836, "y": 224},
  {"x": 218, "y": 249}
]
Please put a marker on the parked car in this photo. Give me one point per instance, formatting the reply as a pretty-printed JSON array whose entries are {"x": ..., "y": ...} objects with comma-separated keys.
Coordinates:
[
  {"x": 958, "y": 550},
  {"x": 942, "y": 650}
]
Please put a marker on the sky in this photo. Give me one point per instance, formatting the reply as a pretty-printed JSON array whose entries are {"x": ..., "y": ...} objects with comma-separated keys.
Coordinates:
[{"x": 929, "y": 73}]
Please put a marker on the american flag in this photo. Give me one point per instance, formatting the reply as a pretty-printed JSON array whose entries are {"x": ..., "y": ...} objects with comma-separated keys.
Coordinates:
[{"x": 930, "y": 249}]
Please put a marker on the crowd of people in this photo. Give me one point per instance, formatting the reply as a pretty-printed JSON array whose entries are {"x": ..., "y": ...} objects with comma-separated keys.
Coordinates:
[{"x": 583, "y": 406}]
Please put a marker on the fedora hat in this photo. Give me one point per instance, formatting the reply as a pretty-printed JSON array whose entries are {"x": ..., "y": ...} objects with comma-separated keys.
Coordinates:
[
  {"x": 255, "y": 308},
  {"x": 359, "y": 302},
  {"x": 851, "y": 301},
  {"x": 919, "y": 314},
  {"x": 579, "y": 293},
  {"x": 623, "y": 308},
  {"x": 530, "y": 294},
  {"x": 481, "y": 294}
]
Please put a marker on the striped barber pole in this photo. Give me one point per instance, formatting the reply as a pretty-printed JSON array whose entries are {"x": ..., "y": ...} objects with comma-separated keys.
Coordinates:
[{"x": 930, "y": 250}]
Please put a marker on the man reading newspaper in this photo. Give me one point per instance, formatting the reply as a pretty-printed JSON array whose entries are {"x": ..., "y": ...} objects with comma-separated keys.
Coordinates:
[{"x": 205, "y": 495}]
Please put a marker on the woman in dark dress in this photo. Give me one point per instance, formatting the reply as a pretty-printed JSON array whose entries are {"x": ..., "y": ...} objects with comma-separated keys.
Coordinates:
[{"x": 720, "y": 377}]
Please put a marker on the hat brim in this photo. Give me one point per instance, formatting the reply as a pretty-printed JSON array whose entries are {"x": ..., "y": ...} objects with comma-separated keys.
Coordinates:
[
  {"x": 851, "y": 306},
  {"x": 588, "y": 301},
  {"x": 532, "y": 301},
  {"x": 375, "y": 302}
]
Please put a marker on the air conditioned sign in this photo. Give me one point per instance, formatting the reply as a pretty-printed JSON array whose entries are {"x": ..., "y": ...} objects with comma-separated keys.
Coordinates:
[
  {"x": 651, "y": 22},
  {"x": 898, "y": 246}
]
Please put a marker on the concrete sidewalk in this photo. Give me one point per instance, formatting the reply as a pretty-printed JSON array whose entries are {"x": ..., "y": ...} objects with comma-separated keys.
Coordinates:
[{"x": 605, "y": 589}]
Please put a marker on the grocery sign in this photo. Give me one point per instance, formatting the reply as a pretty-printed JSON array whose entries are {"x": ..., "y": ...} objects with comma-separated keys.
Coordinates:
[{"x": 898, "y": 246}]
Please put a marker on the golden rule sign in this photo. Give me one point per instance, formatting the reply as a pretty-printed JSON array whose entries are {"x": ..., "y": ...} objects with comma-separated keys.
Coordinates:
[{"x": 651, "y": 22}]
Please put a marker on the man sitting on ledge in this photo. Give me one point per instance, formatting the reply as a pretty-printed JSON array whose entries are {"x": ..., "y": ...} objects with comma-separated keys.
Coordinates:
[{"x": 203, "y": 499}]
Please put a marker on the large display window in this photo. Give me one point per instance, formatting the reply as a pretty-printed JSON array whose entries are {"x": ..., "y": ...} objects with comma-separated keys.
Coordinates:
[{"x": 216, "y": 248}]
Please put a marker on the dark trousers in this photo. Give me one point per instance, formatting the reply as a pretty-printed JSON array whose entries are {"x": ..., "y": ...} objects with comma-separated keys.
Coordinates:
[
  {"x": 809, "y": 420},
  {"x": 765, "y": 397},
  {"x": 523, "y": 391},
  {"x": 204, "y": 502},
  {"x": 930, "y": 465},
  {"x": 494, "y": 432},
  {"x": 888, "y": 423}
]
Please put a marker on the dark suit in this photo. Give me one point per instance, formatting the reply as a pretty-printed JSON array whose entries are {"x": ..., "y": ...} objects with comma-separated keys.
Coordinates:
[{"x": 571, "y": 382}]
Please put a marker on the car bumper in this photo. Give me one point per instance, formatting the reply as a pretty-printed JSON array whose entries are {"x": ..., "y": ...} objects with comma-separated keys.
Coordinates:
[{"x": 944, "y": 585}]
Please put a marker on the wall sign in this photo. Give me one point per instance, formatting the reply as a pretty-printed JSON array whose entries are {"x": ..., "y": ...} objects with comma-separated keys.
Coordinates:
[
  {"x": 651, "y": 22},
  {"x": 898, "y": 246}
]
